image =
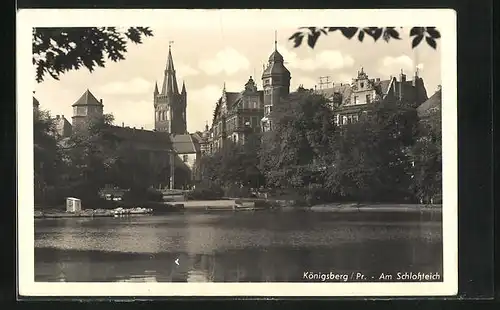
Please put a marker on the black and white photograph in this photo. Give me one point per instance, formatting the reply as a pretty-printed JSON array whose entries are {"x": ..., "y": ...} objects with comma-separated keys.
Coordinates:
[{"x": 237, "y": 152}]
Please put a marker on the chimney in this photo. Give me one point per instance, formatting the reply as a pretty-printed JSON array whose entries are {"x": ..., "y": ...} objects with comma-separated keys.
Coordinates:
[
  {"x": 378, "y": 79},
  {"x": 100, "y": 101},
  {"x": 142, "y": 128},
  {"x": 57, "y": 116},
  {"x": 123, "y": 124},
  {"x": 62, "y": 116},
  {"x": 402, "y": 77}
]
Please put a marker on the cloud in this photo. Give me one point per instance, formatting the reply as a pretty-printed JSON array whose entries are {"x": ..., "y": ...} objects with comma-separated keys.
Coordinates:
[
  {"x": 182, "y": 71},
  {"x": 133, "y": 113},
  {"x": 134, "y": 86},
  {"x": 393, "y": 65},
  {"x": 201, "y": 104},
  {"x": 227, "y": 61},
  {"x": 328, "y": 59}
]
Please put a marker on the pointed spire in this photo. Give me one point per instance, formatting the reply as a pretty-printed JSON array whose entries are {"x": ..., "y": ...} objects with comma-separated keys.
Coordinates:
[
  {"x": 156, "y": 88},
  {"x": 169, "y": 85},
  {"x": 183, "y": 91},
  {"x": 224, "y": 88},
  {"x": 275, "y": 40}
]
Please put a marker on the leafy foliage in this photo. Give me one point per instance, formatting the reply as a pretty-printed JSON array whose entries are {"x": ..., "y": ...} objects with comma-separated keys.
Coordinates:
[
  {"x": 90, "y": 155},
  {"x": 48, "y": 158},
  {"x": 431, "y": 34},
  {"x": 299, "y": 144},
  {"x": 427, "y": 156},
  {"x": 58, "y": 50},
  {"x": 371, "y": 158},
  {"x": 234, "y": 164}
]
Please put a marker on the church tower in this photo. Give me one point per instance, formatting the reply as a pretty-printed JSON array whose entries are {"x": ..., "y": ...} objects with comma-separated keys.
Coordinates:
[
  {"x": 276, "y": 81},
  {"x": 169, "y": 104}
]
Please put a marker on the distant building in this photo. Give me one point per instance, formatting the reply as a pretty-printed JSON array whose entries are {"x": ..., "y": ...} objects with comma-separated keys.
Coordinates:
[
  {"x": 350, "y": 100},
  {"x": 62, "y": 126}
]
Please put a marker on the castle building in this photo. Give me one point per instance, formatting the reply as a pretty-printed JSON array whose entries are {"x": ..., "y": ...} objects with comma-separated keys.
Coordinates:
[
  {"x": 238, "y": 114},
  {"x": 169, "y": 148},
  {"x": 351, "y": 100},
  {"x": 276, "y": 83},
  {"x": 169, "y": 104}
]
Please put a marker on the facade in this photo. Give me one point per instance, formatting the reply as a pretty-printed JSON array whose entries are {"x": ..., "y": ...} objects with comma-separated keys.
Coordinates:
[
  {"x": 238, "y": 114},
  {"x": 351, "y": 100},
  {"x": 169, "y": 104}
]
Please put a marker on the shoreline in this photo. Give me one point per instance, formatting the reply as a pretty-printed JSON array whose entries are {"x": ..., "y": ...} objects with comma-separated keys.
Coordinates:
[{"x": 246, "y": 206}]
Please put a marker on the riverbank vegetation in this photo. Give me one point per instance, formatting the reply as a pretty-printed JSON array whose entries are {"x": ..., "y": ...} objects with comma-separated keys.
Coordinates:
[{"x": 390, "y": 155}]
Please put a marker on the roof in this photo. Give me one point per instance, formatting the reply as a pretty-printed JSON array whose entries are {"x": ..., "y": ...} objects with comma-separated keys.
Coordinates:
[
  {"x": 141, "y": 135},
  {"x": 431, "y": 104},
  {"x": 87, "y": 99},
  {"x": 383, "y": 86},
  {"x": 342, "y": 89},
  {"x": 276, "y": 65},
  {"x": 183, "y": 144},
  {"x": 36, "y": 104}
]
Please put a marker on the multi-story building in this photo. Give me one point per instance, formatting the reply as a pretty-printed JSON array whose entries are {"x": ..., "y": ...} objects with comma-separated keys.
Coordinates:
[
  {"x": 351, "y": 100},
  {"x": 238, "y": 114}
]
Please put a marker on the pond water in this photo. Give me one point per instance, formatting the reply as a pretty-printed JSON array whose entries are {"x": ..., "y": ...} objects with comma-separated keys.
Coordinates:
[{"x": 232, "y": 247}]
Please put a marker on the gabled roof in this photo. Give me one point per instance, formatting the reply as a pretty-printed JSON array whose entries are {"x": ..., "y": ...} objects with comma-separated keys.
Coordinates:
[
  {"x": 342, "y": 89},
  {"x": 36, "y": 104},
  {"x": 383, "y": 86},
  {"x": 87, "y": 99},
  {"x": 183, "y": 144},
  {"x": 430, "y": 105}
]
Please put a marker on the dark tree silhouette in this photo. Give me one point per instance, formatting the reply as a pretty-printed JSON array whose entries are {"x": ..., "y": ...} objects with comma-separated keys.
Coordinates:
[
  {"x": 58, "y": 50},
  {"x": 431, "y": 34}
]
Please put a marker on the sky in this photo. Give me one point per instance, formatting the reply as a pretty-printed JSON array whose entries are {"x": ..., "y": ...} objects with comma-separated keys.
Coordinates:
[{"x": 206, "y": 57}]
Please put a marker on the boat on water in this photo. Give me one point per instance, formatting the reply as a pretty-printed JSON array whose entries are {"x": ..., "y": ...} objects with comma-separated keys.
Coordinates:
[{"x": 133, "y": 211}]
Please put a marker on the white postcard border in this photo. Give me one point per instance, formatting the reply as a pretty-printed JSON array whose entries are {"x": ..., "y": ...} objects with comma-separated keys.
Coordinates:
[{"x": 443, "y": 19}]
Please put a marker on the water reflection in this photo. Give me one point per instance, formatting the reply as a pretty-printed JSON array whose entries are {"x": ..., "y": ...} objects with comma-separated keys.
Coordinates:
[{"x": 230, "y": 247}]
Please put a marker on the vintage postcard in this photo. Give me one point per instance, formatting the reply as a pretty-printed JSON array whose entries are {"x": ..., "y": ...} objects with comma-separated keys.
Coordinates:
[{"x": 237, "y": 152}]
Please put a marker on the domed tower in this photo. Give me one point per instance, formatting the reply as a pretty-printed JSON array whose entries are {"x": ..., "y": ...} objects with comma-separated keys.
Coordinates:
[
  {"x": 169, "y": 104},
  {"x": 276, "y": 82}
]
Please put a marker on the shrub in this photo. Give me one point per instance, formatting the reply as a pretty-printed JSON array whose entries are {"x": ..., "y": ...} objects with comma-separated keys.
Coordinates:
[
  {"x": 142, "y": 195},
  {"x": 205, "y": 192}
]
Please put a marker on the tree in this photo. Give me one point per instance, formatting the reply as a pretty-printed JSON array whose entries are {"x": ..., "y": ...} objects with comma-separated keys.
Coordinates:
[
  {"x": 48, "y": 160},
  {"x": 294, "y": 153},
  {"x": 58, "y": 50},
  {"x": 371, "y": 161},
  {"x": 431, "y": 34},
  {"x": 427, "y": 156},
  {"x": 91, "y": 154}
]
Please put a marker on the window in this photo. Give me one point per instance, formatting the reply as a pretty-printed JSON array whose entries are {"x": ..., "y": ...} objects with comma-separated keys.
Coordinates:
[
  {"x": 368, "y": 97},
  {"x": 361, "y": 85},
  {"x": 356, "y": 99}
]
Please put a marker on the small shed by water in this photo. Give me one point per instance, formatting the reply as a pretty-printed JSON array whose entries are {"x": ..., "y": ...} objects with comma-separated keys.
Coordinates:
[{"x": 73, "y": 204}]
